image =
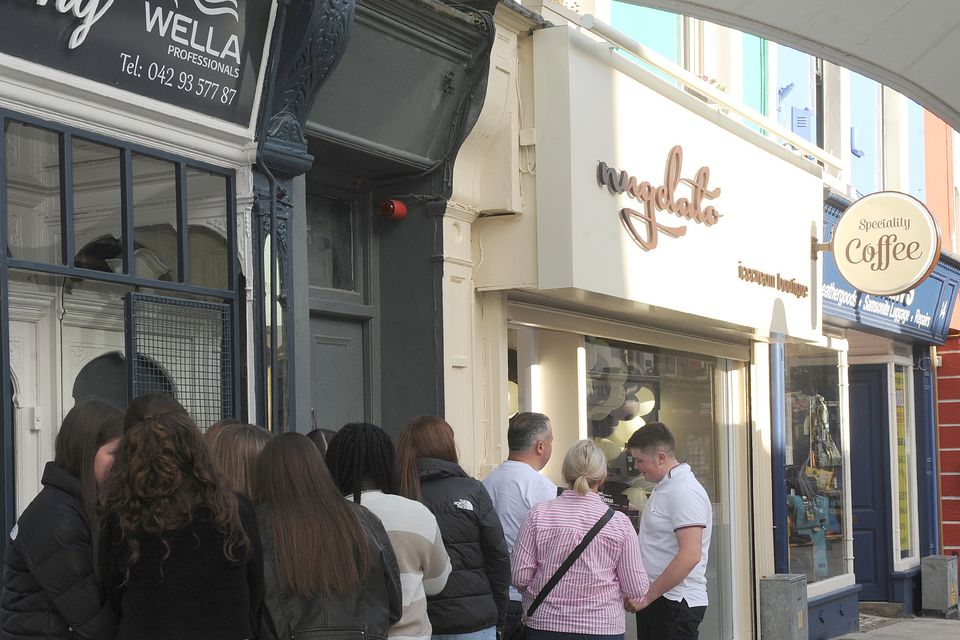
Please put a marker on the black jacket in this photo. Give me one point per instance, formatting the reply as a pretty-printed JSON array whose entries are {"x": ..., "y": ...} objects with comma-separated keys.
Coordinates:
[
  {"x": 364, "y": 614},
  {"x": 186, "y": 589},
  {"x": 476, "y": 595},
  {"x": 50, "y": 589}
]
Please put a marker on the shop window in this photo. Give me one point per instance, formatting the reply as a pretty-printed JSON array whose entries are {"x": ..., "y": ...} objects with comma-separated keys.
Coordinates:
[
  {"x": 906, "y": 457},
  {"x": 814, "y": 463},
  {"x": 33, "y": 192},
  {"x": 207, "y": 230},
  {"x": 629, "y": 385},
  {"x": 330, "y": 242},
  {"x": 155, "y": 218}
]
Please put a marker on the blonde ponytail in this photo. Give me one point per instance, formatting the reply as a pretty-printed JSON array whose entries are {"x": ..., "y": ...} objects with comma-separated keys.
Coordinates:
[
  {"x": 581, "y": 485},
  {"x": 584, "y": 467}
]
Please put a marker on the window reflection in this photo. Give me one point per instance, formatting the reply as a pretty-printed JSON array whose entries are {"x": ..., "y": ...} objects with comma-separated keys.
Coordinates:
[
  {"x": 33, "y": 193},
  {"x": 330, "y": 230},
  {"x": 207, "y": 235},
  {"x": 814, "y": 472},
  {"x": 155, "y": 218}
]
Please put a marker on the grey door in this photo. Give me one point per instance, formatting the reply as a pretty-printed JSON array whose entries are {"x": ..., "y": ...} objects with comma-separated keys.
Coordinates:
[
  {"x": 337, "y": 357},
  {"x": 869, "y": 456}
]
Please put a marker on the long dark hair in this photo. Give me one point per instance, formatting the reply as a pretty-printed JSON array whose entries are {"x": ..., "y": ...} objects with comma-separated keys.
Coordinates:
[
  {"x": 235, "y": 450},
  {"x": 423, "y": 437},
  {"x": 318, "y": 543},
  {"x": 87, "y": 427},
  {"x": 163, "y": 473},
  {"x": 361, "y": 451}
]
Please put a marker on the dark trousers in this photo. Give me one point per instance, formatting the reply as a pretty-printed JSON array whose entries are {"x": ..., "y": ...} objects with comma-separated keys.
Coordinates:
[
  {"x": 514, "y": 615},
  {"x": 668, "y": 620},
  {"x": 535, "y": 634}
]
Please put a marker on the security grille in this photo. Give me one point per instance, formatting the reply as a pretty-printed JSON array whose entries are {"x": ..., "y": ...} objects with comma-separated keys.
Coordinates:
[{"x": 182, "y": 348}]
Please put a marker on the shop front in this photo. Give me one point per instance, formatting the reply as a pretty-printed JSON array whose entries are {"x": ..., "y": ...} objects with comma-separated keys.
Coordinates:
[
  {"x": 665, "y": 248},
  {"x": 125, "y": 187},
  {"x": 892, "y": 425}
]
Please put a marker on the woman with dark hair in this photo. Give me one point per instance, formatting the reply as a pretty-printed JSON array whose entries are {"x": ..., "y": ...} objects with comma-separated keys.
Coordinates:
[
  {"x": 50, "y": 587},
  {"x": 235, "y": 451},
  {"x": 473, "y": 605},
  {"x": 329, "y": 568},
  {"x": 321, "y": 438},
  {"x": 180, "y": 552},
  {"x": 361, "y": 460}
]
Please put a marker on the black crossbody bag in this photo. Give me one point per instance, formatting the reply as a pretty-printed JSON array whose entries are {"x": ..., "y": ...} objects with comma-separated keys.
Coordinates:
[{"x": 520, "y": 633}]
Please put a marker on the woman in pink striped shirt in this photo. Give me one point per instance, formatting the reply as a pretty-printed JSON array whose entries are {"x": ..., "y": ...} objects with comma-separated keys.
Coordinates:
[{"x": 587, "y": 604}]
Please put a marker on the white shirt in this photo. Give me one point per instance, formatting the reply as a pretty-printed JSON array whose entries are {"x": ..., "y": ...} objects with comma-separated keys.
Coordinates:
[
  {"x": 515, "y": 487},
  {"x": 678, "y": 501}
]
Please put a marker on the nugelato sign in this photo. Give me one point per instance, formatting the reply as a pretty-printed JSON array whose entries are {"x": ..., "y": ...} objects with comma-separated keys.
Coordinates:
[{"x": 886, "y": 243}]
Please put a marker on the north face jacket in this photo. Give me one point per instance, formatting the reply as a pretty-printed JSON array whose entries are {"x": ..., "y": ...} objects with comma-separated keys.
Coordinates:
[{"x": 476, "y": 594}]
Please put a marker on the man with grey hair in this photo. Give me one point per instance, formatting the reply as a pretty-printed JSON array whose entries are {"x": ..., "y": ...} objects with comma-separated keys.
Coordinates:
[{"x": 516, "y": 485}]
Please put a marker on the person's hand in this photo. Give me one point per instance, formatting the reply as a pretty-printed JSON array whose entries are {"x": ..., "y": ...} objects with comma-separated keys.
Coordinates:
[{"x": 634, "y": 606}]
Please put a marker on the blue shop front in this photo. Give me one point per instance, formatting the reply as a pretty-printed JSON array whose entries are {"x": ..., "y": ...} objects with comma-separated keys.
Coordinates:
[{"x": 858, "y": 443}]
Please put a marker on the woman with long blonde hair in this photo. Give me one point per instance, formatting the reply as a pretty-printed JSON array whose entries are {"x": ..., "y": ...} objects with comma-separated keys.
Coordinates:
[{"x": 473, "y": 605}]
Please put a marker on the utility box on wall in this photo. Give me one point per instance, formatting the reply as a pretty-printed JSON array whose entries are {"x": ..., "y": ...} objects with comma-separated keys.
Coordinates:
[
  {"x": 938, "y": 575},
  {"x": 783, "y": 607}
]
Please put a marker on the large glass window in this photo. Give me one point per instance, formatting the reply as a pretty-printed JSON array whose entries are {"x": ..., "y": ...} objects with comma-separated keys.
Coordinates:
[
  {"x": 814, "y": 462},
  {"x": 629, "y": 385}
]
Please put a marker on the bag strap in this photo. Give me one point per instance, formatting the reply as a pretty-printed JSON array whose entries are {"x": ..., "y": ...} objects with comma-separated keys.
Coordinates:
[{"x": 558, "y": 574}]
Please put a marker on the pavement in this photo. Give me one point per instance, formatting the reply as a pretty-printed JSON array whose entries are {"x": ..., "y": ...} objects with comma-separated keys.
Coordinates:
[{"x": 878, "y": 628}]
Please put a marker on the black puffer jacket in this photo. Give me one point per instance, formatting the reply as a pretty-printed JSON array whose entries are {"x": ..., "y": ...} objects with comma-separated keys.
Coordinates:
[
  {"x": 476, "y": 596},
  {"x": 364, "y": 614},
  {"x": 50, "y": 589}
]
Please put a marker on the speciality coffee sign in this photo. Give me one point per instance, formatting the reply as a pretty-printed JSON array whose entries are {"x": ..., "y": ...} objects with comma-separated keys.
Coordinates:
[
  {"x": 643, "y": 225},
  {"x": 886, "y": 243},
  {"x": 202, "y": 55}
]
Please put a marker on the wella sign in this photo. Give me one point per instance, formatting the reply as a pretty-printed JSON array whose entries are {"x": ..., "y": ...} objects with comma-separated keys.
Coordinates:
[{"x": 202, "y": 55}]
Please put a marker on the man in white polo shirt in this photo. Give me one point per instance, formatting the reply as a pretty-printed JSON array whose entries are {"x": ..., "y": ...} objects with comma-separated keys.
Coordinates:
[
  {"x": 675, "y": 529},
  {"x": 517, "y": 485}
]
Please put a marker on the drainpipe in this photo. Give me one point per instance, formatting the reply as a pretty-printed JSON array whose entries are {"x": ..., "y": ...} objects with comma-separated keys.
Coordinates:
[{"x": 266, "y": 112}]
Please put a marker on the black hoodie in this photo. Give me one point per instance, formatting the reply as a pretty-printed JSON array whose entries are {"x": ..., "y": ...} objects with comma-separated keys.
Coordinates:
[{"x": 476, "y": 596}]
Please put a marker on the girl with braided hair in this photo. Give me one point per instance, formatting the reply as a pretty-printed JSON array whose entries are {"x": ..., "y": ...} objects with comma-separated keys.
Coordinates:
[
  {"x": 361, "y": 459},
  {"x": 180, "y": 550}
]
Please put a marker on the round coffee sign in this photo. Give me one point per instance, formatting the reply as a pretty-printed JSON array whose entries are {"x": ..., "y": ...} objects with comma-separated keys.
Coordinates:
[{"x": 886, "y": 243}]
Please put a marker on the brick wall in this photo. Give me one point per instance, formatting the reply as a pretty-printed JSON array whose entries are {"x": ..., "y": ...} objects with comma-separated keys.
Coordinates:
[{"x": 948, "y": 425}]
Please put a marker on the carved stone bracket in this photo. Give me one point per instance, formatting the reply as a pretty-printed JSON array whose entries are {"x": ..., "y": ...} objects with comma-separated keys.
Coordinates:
[{"x": 314, "y": 39}]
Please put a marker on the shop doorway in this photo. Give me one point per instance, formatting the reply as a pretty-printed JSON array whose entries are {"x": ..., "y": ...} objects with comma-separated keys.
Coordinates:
[{"x": 870, "y": 455}]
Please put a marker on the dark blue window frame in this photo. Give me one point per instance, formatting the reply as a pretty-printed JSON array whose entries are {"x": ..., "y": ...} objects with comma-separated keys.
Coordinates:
[{"x": 230, "y": 296}]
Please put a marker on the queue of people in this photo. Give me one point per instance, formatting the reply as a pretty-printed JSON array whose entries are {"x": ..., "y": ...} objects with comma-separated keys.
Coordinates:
[{"x": 146, "y": 528}]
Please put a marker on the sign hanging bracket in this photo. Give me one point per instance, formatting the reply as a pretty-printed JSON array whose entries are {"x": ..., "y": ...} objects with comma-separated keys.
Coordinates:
[{"x": 816, "y": 247}]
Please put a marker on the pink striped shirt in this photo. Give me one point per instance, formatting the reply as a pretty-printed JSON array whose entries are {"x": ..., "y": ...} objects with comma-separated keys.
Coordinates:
[{"x": 589, "y": 597}]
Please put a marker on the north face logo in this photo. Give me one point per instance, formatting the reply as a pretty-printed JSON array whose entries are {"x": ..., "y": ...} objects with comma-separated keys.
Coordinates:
[{"x": 466, "y": 505}]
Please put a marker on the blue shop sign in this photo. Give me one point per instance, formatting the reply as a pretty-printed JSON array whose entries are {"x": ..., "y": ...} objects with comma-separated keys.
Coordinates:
[{"x": 922, "y": 314}]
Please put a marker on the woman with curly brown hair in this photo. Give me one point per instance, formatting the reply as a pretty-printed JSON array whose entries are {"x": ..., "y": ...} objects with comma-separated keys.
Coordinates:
[{"x": 180, "y": 551}]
